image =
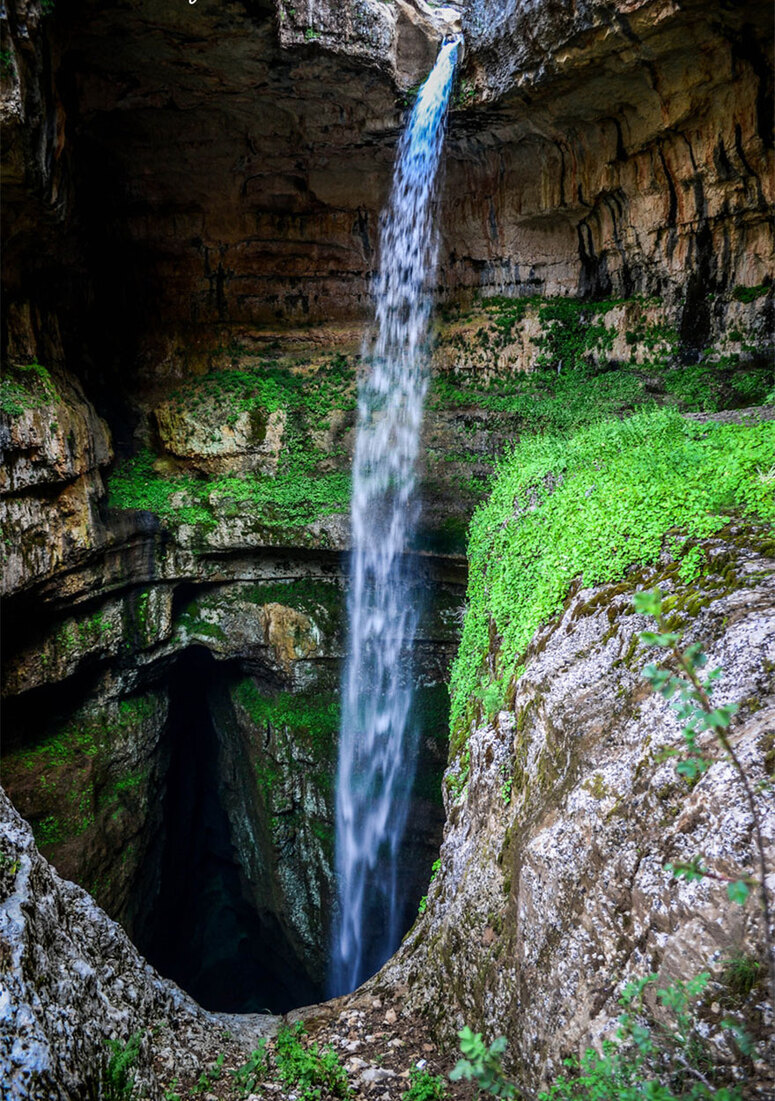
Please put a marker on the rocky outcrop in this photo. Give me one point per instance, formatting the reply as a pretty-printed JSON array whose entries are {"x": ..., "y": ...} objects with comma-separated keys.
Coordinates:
[
  {"x": 405, "y": 36},
  {"x": 552, "y": 890},
  {"x": 53, "y": 448},
  {"x": 65, "y": 963}
]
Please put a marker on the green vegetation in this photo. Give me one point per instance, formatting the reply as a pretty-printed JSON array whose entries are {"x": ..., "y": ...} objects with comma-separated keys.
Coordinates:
[
  {"x": 558, "y": 403},
  {"x": 577, "y": 382},
  {"x": 191, "y": 621},
  {"x": 119, "y": 1079},
  {"x": 313, "y": 717},
  {"x": 311, "y": 1073},
  {"x": 294, "y": 498},
  {"x": 321, "y": 599},
  {"x": 434, "y": 872},
  {"x": 75, "y": 780},
  {"x": 263, "y": 386},
  {"x": 424, "y": 1086},
  {"x": 741, "y": 975},
  {"x": 662, "y": 1054},
  {"x": 300, "y": 492},
  {"x": 482, "y": 1064},
  {"x": 27, "y": 387},
  {"x": 209, "y": 1076},
  {"x": 750, "y": 294},
  {"x": 594, "y": 505},
  {"x": 253, "y": 1071}
]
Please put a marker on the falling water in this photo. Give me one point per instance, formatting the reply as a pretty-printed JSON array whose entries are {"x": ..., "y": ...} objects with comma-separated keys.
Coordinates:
[{"x": 378, "y": 738}]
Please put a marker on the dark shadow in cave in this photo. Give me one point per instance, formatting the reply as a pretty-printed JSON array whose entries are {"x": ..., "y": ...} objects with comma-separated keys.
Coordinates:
[{"x": 203, "y": 932}]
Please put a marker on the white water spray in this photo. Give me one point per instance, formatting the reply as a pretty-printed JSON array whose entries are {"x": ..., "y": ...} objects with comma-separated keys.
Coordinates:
[{"x": 378, "y": 739}]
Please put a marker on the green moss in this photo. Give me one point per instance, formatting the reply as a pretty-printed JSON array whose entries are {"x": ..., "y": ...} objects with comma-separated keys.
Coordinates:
[
  {"x": 539, "y": 402},
  {"x": 312, "y": 718},
  {"x": 48, "y": 831},
  {"x": 140, "y": 609},
  {"x": 191, "y": 621},
  {"x": 295, "y": 497},
  {"x": 314, "y": 596},
  {"x": 27, "y": 387},
  {"x": 596, "y": 787},
  {"x": 741, "y": 975},
  {"x": 595, "y": 504},
  {"x": 73, "y": 771},
  {"x": 573, "y": 332}
]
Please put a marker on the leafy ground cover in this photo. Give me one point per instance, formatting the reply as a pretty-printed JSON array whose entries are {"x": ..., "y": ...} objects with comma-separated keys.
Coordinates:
[{"x": 594, "y": 504}]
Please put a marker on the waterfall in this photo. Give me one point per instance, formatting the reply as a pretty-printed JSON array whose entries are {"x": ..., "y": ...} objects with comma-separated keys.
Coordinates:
[{"x": 378, "y": 738}]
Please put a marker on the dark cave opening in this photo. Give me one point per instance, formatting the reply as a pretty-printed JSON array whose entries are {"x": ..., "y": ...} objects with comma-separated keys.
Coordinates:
[
  {"x": 173, "y": 836},
  {"x": 203, "y": 931}
]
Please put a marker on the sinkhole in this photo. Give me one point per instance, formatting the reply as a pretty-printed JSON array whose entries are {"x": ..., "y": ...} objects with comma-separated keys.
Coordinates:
[
  {"x": 207, "y": 930},
  {"x": 196, "y": 804}
]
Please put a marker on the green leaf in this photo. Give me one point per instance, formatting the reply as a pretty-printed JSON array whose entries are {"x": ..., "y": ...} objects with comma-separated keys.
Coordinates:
[
  {"x": 648, "y": 603},
  {"x": 738, "y": 892},
  {"x": 658, "y": 638}
]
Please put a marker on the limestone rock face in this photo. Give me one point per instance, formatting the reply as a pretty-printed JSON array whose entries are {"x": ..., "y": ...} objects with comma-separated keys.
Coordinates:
[
  {"x": 593, "y": 149},
  {"x": 53, "y": 449},
  {"x": 72, "y": 981},
  {"x": 552, "y": 890}
]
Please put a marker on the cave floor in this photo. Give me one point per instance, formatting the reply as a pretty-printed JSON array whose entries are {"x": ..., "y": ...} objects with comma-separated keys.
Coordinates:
[{"x": 377, "y": 1041}]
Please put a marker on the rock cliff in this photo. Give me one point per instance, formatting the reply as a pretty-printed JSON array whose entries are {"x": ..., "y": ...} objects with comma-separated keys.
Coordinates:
[
  {"x": 66, "y": 964},
  {"x": 192, "y": 200},
  {"x": 552, "y": 890}
]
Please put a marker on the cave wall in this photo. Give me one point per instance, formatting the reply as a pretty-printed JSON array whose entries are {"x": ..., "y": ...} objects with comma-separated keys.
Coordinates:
[
  {"x": 628, "y": 148},
  {"x": 169, "y": 171}
]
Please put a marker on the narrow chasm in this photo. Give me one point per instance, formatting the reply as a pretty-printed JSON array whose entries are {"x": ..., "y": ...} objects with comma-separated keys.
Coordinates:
[
  {"x": 205, "y": 931},
  {"x": 185, "y": 775}
]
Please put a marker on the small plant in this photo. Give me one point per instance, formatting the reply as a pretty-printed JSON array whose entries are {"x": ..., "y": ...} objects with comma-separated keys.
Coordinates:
[
  {"x": 741, "y": 975},
  {"x": 658, "y": 1055},
  {"x": 26, "y": 387},
  {"x": 482, "y": 1064},
  {"x": 119, "y": 1079},
  {"x": 424, "y": 1086},
  {"x": 209, "y": 1076},
  {"x": 424, "y": 900},
  {"x": 248, "y": 1076},
  {"x": 310, "y": 34},
  {"x": 309, "y": 1071},
  {"x": 749, "y": 294}
]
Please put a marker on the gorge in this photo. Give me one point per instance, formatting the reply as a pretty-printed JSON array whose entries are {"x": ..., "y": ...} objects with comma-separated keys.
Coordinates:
[{"x": 191, "y": 241}]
